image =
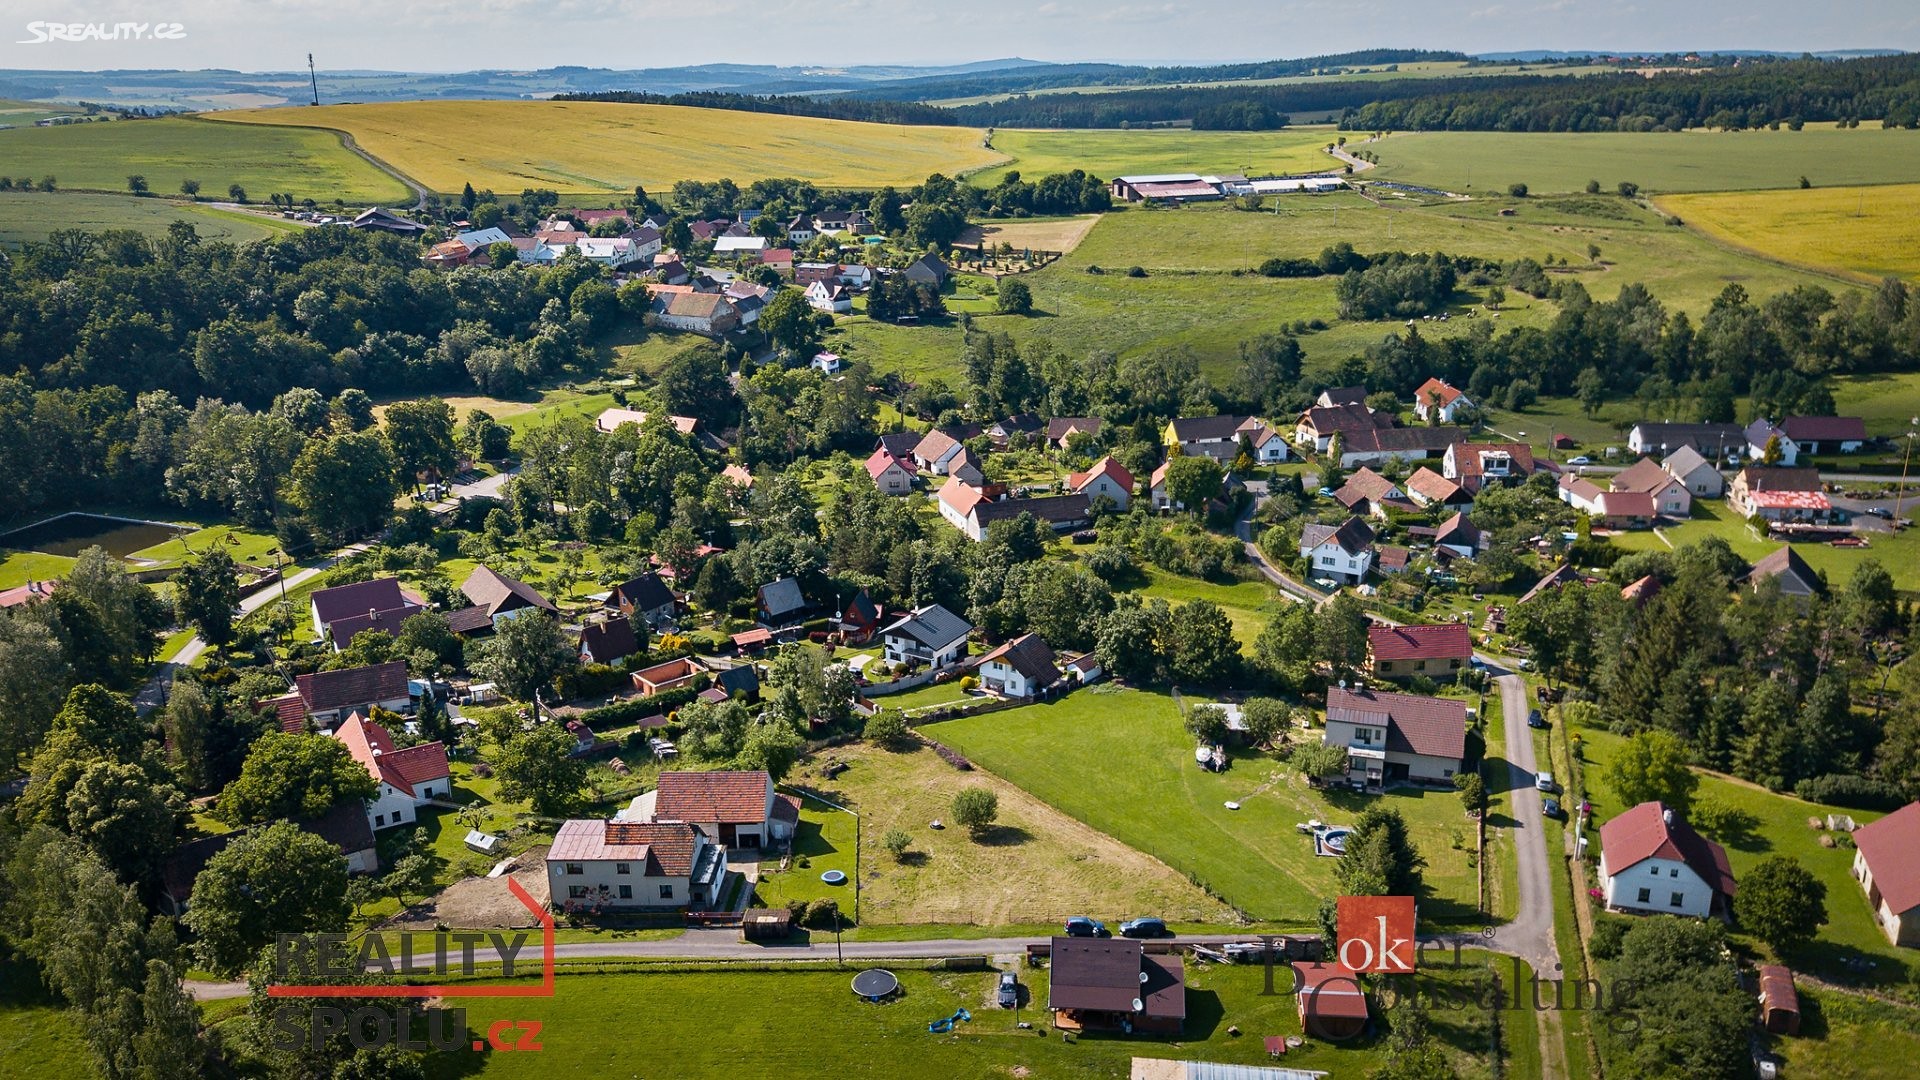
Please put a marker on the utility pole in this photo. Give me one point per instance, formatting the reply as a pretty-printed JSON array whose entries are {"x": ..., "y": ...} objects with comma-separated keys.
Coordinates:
[
  {"x": 314, "y": 78},
  {"x": 1913, "y": 429}
]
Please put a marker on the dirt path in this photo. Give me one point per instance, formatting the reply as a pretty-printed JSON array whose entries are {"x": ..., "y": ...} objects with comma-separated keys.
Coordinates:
[{"x": 352, "y": 147}]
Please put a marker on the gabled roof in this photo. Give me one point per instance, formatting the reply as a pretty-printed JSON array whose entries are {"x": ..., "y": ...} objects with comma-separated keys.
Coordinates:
[
  {"x": 1643, "y": 833},
  {"x": 664, "y": 849},
  {"x": 1780, "y": 478},
  {"x": 961, "y": 496},
  {"x": 1104, "y": 975},
  {"x": 1802, "y": 429},
  {"x": 609, "y": 639},
  {"x": 469, "y": 619},
  {"x": 1786, "y": 561},
  {"x": 1330, "y": 990},
  {"x": 1345, "y": 395},
  {"x": 900, "y": 443},
  {"x": 782, "y": 597},
  {"x": 325, "y": 691},
  {"x": 1467, "y": 459},
  {"x": 490, "y": 589},
  {"x": 372, "y": 746},
  {"x": 341, "y": 631},
  {"x": 931, "y": 625},
  {"x": 1458, "y": 529},
  {"x": 1446, "y": 392},
  {"x": 1327, "y": 419},
  {"x": 1435, "y": 727},
  {"x": 1354, "y": 536},
  {"x": 1437, "y": 642},
  {"x": 861, "y": 606},
  {"x": 646, "y": 592},
  {"x": 1188, "y": 429},
  {"x": 1891, "y": 847},
  {"x": 379, "y": 594},
  {"x": 1030, "y": 655},
  {"x": 1656, "y": 435},
  {"x": 697, "y": 305},
  {"x": 879, "y": 462},
  {"x": 1019, "y": 424},
  {"x": 1106, "y": 467},
  {"x": 1645, "y": 475},
  {"x": 1390, "y": 440},
  {"x": 1684, "y": 461},
  {"x": 935, "y": 445},
  {"x": 1062, "y": 426},
  {"x": 1365, "y": 484},
  {"x": 718, "y": 797},
  {"x": 1432, "y": 486},
  {"x": 1055, "y": 510}
]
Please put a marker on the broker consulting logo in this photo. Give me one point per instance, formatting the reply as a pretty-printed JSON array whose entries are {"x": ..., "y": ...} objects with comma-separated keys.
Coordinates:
[
  {"x": 1374, "y": 934},
  {"x": 309, "y": 970}
]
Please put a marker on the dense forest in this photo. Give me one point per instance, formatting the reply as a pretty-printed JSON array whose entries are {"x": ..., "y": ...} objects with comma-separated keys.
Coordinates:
[
  {"x": 1756, "y": 93},
  {"x": 1054, "y": 76},
  {"x": 838, "y": 107}
]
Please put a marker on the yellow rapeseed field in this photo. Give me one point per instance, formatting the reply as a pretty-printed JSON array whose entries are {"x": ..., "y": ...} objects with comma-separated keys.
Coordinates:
[
  {"x": 581, "y": 147},
  {"x": 1862, "y": 232}
]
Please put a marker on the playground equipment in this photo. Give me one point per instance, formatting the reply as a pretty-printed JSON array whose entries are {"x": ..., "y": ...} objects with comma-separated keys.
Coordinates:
[
  {"x": 875, "y": 984},
  {"x": 940, "y": 1027}
]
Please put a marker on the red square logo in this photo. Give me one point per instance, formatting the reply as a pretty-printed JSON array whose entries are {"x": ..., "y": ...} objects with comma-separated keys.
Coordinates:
[{"x": 1375, "y": 933}]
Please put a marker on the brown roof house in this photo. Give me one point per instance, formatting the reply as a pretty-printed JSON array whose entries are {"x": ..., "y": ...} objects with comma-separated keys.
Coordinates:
[
  {"x": 379, "y": 604},
  {"x": 1108, "y": 984},
  {"x": 1343, "y": 554},
  {"x": 343, "y": 825},
  {"x": 1021, "y": 668},
  {"x": 1396, "y": 738},
  {"x": 608, "y": 640},
  {"x": 329, "y": 697},
  {"x": 1786, "y": 566},
  {"x": 1779, "y": 494},
  {"x": 734, "y": 809},
  {"x": 1435, "y": 651},
  {"x": 1367, "y": 492},
  {"x": 1438, "y": 398},
  {"x": 1779, "y": 1001},
  {"x": 1671, "y": 496},
  {"x": 1330, "y": 1001},
  {"x": 1475, "y": 465},
  {"x": 1428, "y": 488},
  {"x": 626, "y": 865},
  {"x": 502, "y": 597},
  {"x": 1653, "y": 863},
  {"x": 1886, "y": 860},
  {"x": 646, "y": 597}
]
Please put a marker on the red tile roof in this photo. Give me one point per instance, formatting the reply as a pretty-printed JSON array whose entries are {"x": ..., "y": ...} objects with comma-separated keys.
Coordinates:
[
  {"x": 880, "y": 461},
  {"x": 1644, "y": 475},
  {"x": 1437, "y": 642},
  {"x": 1424, "y": 395},
  {"x": 20, "y": 594},
  {"x": 372, "y": 746},
  {"x": 1106, "y": 466},
  {"x": 1644, "y": 833},
  {"x": 719, "y": 797},
  {"x": 1891, "y": 847},
  {"x": 666, "y": 848}
]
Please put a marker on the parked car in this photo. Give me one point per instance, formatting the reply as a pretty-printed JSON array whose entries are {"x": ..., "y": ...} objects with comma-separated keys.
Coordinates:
[
  {"x": 1880, "y": 512},
  {"x": 1325, "y": 493},
  {"x": 1543, "y": 781},
  {"x": 1535, "y": 720},
  {"x": 1081, "y": 926},
  {"x": 1526, "y": 665},
  {"x": 1145, "y": 928},
  {"x": 1581, "y": 460},
  {"x": 1009, "y": 995},
  {"x": 1552, "y": 809}
]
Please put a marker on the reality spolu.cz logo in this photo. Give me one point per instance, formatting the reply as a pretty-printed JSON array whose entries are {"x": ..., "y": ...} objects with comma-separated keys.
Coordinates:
[
  {"x": 300, "y": 1022},
  {"x": 42, "y": 33}
]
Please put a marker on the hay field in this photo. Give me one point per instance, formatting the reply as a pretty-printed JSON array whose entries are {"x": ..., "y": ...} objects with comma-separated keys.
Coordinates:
[
  {"x": 1483, "y": 162},
  {"x": 33, "y": 216},
  {"x": 581, "y": 147},
  {"x": 1864, "y": 232},
  {"x": 1042, "y": 234},
  {"x": 99, "y": 157},
  {"x": 1107, "y": 154}
]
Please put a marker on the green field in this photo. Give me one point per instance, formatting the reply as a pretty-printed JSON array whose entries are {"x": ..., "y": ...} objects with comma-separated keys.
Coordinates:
[
  {"x": 1886, "y": 402},
  {"x": 99, "y": 157},
  {"x": 1191, "y": 300},
  {"x": 1429, "y": 69},
  {"x": 32, "y": 217},
  {"x": 1835, "y": 1027},
  {"x": 744, "y": 1024},
  {"x": 1480, "y": 162},
  {"x": 1150, "y": 794},
  {"x": 39, "y": 1039},
  {"x": 602, "y": 147},
  {"x": 1898, "y": 552},
  {"x": 1107, "y": 154},
  {"x": 1868, "y": 232}
]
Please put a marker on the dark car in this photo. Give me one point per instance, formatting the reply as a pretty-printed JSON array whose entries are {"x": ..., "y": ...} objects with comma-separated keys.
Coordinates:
[
  {"x": 1535, "y": 720},
  {"x": 1880, "y": 512},
  {"x": 1551, "y": 808},
  {"x": 1081, "y": 926},
  {"x": 1145, "y": 928},
  {"x": 1009, "y": 995}
]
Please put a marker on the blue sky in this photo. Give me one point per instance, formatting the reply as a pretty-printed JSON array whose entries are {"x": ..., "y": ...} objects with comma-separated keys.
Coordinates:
[{"x": 444, "y": 35}]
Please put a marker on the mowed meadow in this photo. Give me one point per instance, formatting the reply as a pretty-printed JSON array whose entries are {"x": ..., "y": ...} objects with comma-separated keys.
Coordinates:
[
  {"x": 593, "y": 147},
  {"x": 30, "y": 217},
  {"x": 1108, "y": 154},
  {"x": 1864, "y": 232},
  {"x": 1481, "y": 162},
  {"x": 100, "y": 156}
]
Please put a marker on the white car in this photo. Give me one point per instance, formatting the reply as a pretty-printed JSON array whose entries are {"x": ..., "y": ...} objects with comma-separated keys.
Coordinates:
[
  {"x": 1544, "y": 782},
  {"x": 1581, "y": 460}
]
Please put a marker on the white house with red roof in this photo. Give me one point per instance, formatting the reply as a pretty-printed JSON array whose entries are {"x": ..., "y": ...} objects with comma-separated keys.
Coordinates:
[
  {"x": 1402, "y": 651},
  {"x": 1886, "y": 860},
  {"x": 1653, "y": 863},
  {"x": 623, "y": 865},
  {"x": 1436, "y": 395},
  {"x": 892, "y": 475},
  {"x": 1107, "y": 477},
  {"x": 733, "y": 809},
  {"x": 408, "y": 777},
  {"x": 1396, "y": 738}
]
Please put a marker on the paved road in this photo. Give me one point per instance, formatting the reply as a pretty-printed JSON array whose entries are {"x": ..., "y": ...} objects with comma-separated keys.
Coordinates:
[
  {"x": 154, "y": 693},
  {"x": 1530, "y": 935}
]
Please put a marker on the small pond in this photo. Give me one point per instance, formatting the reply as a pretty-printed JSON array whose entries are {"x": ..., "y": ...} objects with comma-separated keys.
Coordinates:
[{"x": 70, "y": 534}]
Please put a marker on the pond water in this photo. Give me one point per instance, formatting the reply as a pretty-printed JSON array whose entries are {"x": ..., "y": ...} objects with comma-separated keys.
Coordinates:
[{"x": 70, "y": 534}]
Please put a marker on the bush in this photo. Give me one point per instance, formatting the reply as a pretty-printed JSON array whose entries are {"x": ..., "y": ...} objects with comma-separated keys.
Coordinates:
[
  {"x": 1846, "y": 789},
  {"x": 622, "y": 713},
  {"x": 975, "y": 808},
  {"x": 1518, "y": 191},
  {"x": 1608, "y": 930},
  {"x": 969, "y": 683},
  {"x": 820, "y": 915},
  {"x": 896, "y": 842},
  {"x": 888, "y": 728},
  {"x": 1136, "y": 271},
  {"x": 591, "y": 680}
]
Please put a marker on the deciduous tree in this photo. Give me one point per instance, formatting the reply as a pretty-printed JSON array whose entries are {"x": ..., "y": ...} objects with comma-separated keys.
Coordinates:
[{"x": 279, "y": 879}]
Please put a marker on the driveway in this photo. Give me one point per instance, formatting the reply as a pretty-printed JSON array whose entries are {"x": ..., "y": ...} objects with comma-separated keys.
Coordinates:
[{"x": 1530, "y": 934}]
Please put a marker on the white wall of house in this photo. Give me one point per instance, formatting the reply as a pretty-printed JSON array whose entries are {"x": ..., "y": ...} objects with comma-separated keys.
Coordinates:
[
  {"x": 901, "y": 649},
  {"x": 894, "y": 481},
  {"x": 1901, "y": 928},
  {"x": 1003, "y": 679},
  {"x": 1332, "y": 560},
  {"x": 390, "y": 806},
  {"x": 1704, "y": 482},
  {"x": 1271, "y": 451},
  {"x": 1789, "y": 451},
  {"x": 1660, "y": 881},
  {"x": 1106, "y": 485},
  {"x": 594, "y": 875}
]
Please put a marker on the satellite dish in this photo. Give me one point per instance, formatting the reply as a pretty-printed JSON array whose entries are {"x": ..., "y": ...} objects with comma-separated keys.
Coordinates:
[
  {"x": 1143, "y": 978},
  {"x": 1139, "y": 1006}
]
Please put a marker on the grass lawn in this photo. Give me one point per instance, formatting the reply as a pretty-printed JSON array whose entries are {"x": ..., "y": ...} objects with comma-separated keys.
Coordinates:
[
  {"x": 42, "y": 1039},
  {"x": 99, "y": 157},
  {"x": 1479, "y": 162},
  {"x": 806, "y": 1022},
  {"x": 19, "y": 567},
  {"x": 1150, "y": 794},
  {"x": 1898, "y": 552},
  {"x": 1834, "y": 1030},
  {"x": 1108, "y": 153},
  {"x": 1249, "y": 604},
  {"x": 1850, "y": 931},
  {"x": 925, "y": 696},
  {"x": 30, "y": 218},
  {"x": 242, "y": 545},
  {"x": 604, "y": 147},
  {"x": 1885, "y": 402},
  {"x": 1866, "y": 232},
  {"x": 1034, "y": 866}
]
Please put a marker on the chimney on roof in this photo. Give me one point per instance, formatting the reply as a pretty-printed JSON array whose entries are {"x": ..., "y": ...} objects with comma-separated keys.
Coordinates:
[
  {"x": 373, "y": 613},
  {"x": 1667, "y": 816}
]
